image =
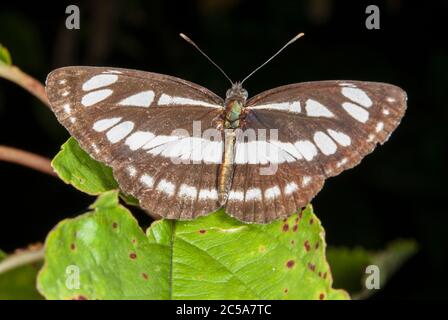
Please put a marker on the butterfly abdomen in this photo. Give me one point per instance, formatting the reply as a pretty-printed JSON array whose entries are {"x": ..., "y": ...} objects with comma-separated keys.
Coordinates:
[{"x": 227, "y": 167}]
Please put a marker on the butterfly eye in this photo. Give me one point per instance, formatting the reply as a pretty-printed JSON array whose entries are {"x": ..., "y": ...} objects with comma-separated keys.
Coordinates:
[{"x": 244, "y": 93}]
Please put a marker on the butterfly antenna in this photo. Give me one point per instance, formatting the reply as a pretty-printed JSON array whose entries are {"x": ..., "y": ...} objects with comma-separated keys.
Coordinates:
[
  {"x": 203, "y": 53},
  {"x": 272, "y": 57}
]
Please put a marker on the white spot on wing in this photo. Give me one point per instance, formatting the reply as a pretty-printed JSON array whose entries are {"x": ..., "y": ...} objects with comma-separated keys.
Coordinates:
[
  {"x": 356, "y": 112},
  {"x": 254, "y": 152},
  {"x": 188, "y": 191},
  {"x": 98, "y": 81},
  {"x": 307, "y": 149},
  {"x": 120, "y": 131},
  {"x": 212, "y": 151},
  {"x": 175, "y": 149},
  {"x": 184, "y": 149},
  {"x": 290, "y": 188},
  {"x": 95, "y": 148},
  {"x": 287, "y": 147},
  {"x": 391, "y": 99},
  {"x": 141, "y": 99},
  {"x": 306, "y": 180},
  {"x": 341, "y": 162},
  {"x": 273, "y": 106},
  {"x": 159, "y": 140},
  {"x": 357, "y": 95},
  {"x": 196, "y": 145},
  {"x": 104, "y": 124},
  {"x": 131, "y": 171},
  {"x": 379, "y": 126},
  {"x": 241, "y": 153},
  {"x": 324, "y": 143},
  {"x": 158, "y": 150},
  {"x": 166, "y": 187},
  {"x": 67, "y": 108},
  {"x": 95, "y": 96},
  {"x": 272, "y": 192},
  {"x": 283, "y": 106},
  {"x": 208, "y": 194},
  {"x": 236, "y": 195},
  {"x": 164, "y": 100},
  {"x": 138, "y": 139},
  {"x": 316, "y": 109},
  {"x": 341, "y": 138},
  {"x": 295, "y": 107},
  {"x": 169, "y": 100},
  {"x": 147, "y": 180},
  {"x": 251, "y": 148},
  {"x": 253, "y": 194},
  {"x": 112, "y": 71}
]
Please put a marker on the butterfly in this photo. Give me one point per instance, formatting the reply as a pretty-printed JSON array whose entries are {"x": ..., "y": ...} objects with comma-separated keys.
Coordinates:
[{"x": 185, "y": 152}]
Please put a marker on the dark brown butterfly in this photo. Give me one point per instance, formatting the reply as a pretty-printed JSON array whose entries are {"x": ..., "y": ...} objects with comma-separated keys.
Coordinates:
[{"x": 184, "y": 152}]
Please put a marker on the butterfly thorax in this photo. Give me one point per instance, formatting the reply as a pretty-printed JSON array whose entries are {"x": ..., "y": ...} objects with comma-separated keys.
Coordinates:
[{"x": 235, "y": 102}]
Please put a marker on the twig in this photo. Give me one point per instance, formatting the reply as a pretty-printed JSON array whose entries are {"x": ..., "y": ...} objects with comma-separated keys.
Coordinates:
[
  {"x": 21, "y": 258},
  {"x": 14, "y": 74},
  {"x": 26, "y": 159}
]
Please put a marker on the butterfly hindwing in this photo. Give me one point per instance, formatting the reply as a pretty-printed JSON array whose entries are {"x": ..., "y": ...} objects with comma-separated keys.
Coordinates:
[
  {"x": 182, "y": 191},
  {"x": 263, "y": 198}
]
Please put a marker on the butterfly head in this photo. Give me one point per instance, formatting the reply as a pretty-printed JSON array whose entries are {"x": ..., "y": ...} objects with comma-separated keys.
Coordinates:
[{"x": 237, "y": 92}]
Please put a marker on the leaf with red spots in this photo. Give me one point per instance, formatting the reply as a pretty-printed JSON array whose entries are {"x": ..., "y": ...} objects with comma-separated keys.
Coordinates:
[{"x": 213, "y": 257}]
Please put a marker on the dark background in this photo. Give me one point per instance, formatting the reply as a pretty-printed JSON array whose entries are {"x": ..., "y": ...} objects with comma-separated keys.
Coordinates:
[{"x": 396, "y": 192}]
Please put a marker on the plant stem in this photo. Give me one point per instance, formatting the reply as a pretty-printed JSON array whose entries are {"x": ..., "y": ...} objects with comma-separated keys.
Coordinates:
[
  {"x": 21, "y": 258},
  {"x": 14, "y": 74},
  {"x": 26, "y": 159}
]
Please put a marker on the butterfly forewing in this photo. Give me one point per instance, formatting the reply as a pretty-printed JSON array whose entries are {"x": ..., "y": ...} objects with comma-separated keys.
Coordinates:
[
  {"x": 144, "y": 126},
  {"x": 344, "y": 120}
]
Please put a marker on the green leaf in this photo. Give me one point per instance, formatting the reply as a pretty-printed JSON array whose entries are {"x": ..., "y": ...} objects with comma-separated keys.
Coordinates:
[
  {"x": 5, "y": 57},
  {"x": 74, "y": 166},
  {"x": 19, "y": 283},
  {"x": 213, "y": 257},
  {"x": 349, "y": 265}
]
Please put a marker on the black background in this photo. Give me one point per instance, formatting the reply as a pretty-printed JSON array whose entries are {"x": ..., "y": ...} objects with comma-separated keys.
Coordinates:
[{"x": 396, "y": 192}]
